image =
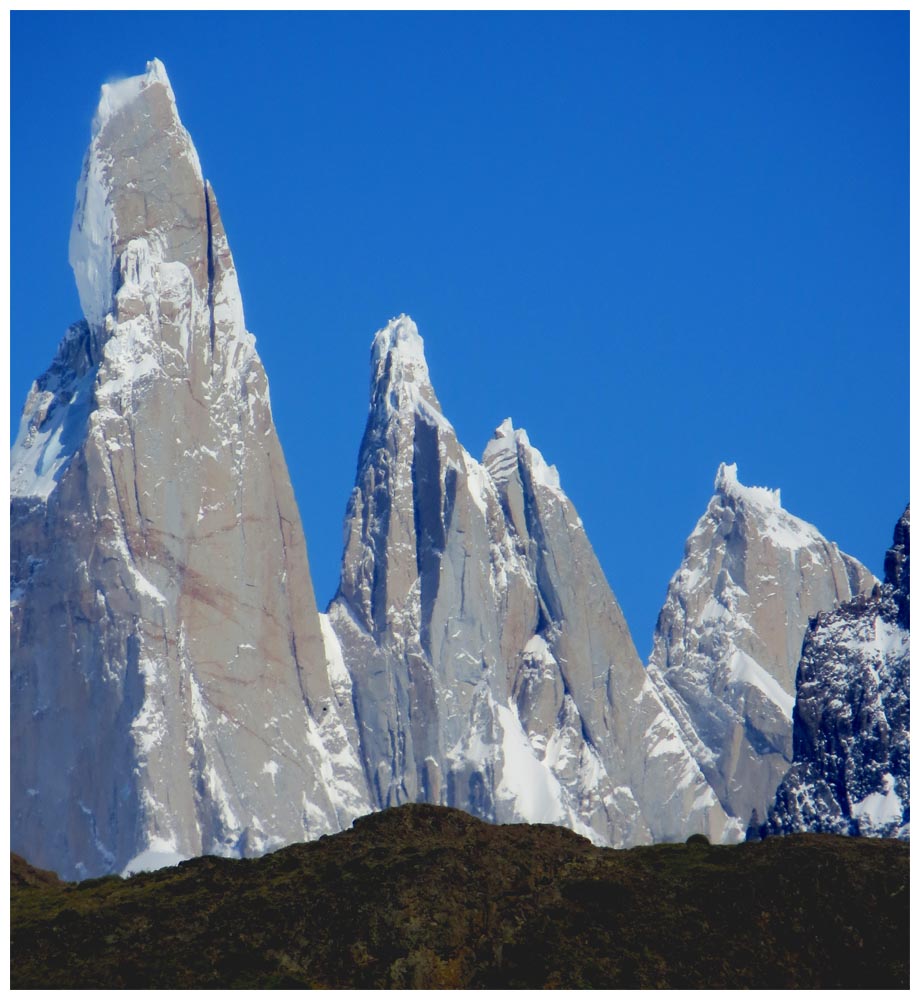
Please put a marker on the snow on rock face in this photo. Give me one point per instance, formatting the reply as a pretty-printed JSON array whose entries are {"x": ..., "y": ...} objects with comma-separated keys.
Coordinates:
[
  {"x": 729, "y": 636},
  {"x": 169, "y": 680},
  {"x": 398, "y": 344},
  {"x": 492, "y": 667},
  {"x": 54, "y": 418},
  {"x": 500, "y": 458},
  {"x": 124, "y": 192},
  {"x": 851, "y": 735}
]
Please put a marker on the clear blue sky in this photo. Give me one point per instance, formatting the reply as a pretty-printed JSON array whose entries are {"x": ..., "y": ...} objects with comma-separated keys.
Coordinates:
[{"x": 657, "y": 241}]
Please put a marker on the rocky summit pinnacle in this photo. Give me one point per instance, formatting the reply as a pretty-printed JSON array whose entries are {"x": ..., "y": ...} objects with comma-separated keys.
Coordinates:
[
  {"x": 141, "y": 179},
  {"x": 729, "y": 636},
  {"x": 170, "y": 693},
  {"x": 492, "y": 667},
  {"x": 398, "y": 356}
]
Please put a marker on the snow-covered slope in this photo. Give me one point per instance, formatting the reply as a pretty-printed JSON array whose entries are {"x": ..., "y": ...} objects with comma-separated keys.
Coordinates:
[
  {"x": 492, "y": 667},
  {"x": 851, "y": 731},
  {"x": 729, "y": 636},
  {"x": 169, "y": 688}
]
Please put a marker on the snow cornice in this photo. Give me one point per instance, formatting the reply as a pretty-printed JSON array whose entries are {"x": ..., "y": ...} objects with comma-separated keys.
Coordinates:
[{"x": 726, "y": 483}]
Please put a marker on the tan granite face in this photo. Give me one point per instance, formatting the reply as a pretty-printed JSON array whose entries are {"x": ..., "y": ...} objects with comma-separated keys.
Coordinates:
[
  {"x": 493, "y": 669},
  {"x": 155, "y": 181},
  {"x": 171, "y": 691},
  {"x": 729, "y": 636}
]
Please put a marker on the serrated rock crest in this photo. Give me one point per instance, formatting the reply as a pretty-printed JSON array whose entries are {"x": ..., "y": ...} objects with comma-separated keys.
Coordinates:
[{"x": 492, "y": 667}]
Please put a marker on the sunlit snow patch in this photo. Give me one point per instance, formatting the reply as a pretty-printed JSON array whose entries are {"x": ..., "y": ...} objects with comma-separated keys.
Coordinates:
[
  {"x": 42, "y": 452},
  {"x": 879, "y": 809},
  {"x": 745, "y": 669},
  {"x": 160, "y": 854}
]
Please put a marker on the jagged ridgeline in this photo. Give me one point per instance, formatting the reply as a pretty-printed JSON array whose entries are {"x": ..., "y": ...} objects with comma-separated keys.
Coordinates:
[
  {"x": 493, "y": 669},
  {"x": 174, "y": 691}
]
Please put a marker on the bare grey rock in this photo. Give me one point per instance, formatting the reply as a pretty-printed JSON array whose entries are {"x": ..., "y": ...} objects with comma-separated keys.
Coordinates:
[
  {"x": 492, "y": 667},
  {"x": 729, "y": 636},
  {"x": 170, "y": 694}
]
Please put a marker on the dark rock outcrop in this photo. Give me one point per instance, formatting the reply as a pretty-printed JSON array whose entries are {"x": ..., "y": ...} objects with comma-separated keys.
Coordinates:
[{"x": 851, "y": 769}]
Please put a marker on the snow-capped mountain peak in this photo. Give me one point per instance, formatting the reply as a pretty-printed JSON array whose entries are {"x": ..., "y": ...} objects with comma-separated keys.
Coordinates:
[
  {"x": 142, "y": 179},
  {"x": 400, "y": 382},
  {"x": 764, "y": 505},
  {"x": 400, "y": 344},
  {"x": 729, "y": 636},
  {"x": 170, "y": 689},
  {"x": 118, "y": 93},
  {"x": 173, "y": 689},
  {"x": 492, "y": 666},
  {"x": 500, "y": 455}
]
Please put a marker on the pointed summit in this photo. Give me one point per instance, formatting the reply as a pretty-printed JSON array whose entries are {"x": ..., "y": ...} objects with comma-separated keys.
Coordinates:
[
  {"x": 729, "y": 636},
  {"x": 763, "y": 506},
  {"x": 170, "y": 690},
  {"x": 156, "y": 280},
  {"x": 398, "y": 344},
  {"x": 492, "y": 666},
  {"x": 141, "y": 179},
  {"x": 500, "y": 455},
  {"x": 400, "y": 383},
  {"x": 507, "y": 447},
  {"x": 118, "y": 94}
]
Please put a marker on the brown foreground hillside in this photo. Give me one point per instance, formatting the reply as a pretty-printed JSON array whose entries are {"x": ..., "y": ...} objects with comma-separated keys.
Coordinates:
[{"x": 424, "y": 896}]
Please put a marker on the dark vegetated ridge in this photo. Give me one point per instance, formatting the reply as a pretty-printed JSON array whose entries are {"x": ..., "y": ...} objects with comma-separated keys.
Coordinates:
[{"x": 425, "y": 896}]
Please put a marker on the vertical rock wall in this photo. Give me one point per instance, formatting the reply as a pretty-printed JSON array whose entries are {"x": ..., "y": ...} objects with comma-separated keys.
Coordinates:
[{"x": 170, "y": 691}]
